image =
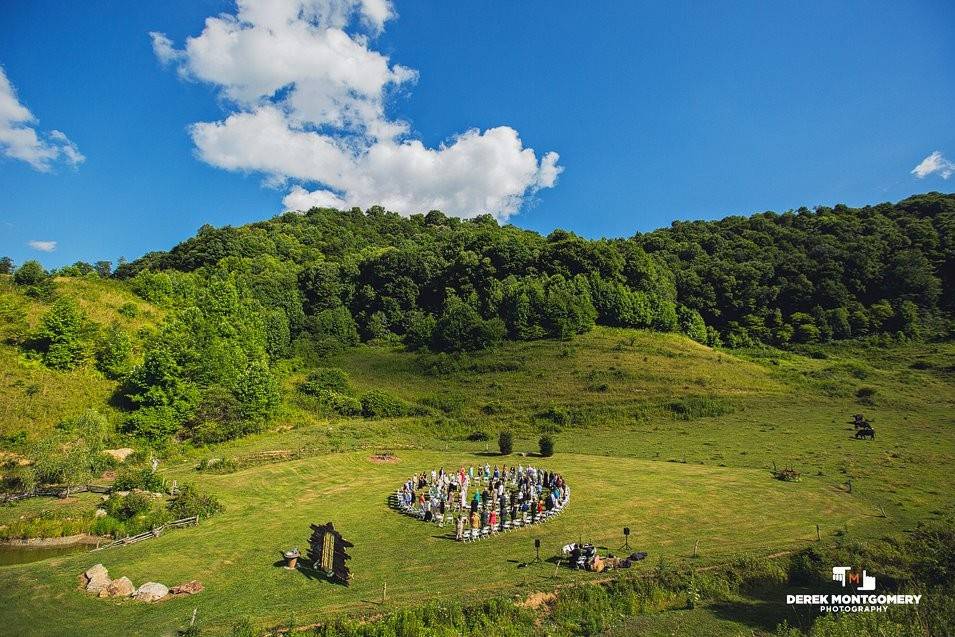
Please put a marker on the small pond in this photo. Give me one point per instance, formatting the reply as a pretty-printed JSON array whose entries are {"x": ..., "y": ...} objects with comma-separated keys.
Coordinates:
[{"x": 24, "y": 554}]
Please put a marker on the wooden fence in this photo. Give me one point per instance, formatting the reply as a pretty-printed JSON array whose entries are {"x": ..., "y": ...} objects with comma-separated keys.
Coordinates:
[
  {"x": 55, "y": 492},
  {"x": 156, "y": 532}
]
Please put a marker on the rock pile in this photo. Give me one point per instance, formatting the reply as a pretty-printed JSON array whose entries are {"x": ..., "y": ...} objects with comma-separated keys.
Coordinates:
[{"x": 98, "y": 582}]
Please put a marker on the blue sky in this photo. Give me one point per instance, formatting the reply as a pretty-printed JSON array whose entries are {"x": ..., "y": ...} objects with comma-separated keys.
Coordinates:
[{"x": 658, "y": 111}]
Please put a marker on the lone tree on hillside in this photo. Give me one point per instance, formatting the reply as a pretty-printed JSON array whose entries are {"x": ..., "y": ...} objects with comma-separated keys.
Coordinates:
[
  {"x": 62, "y": 335},
  {"x": 30, "y": 273},
  {"x": 505, "y": 442},
  {"x": 546, "y": 444}
]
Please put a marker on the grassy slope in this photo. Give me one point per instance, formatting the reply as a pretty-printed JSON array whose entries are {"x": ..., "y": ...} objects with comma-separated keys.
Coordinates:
[
  {"x": 630, "y": 462},
  {"x": 786, "y": 409},
  {"x": 61, "y": 395}
]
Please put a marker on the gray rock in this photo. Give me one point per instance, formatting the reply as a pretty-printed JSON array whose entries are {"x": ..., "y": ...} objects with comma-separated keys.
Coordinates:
[
  {"x": 151, "y": 592},
  {"x": 121, "y": 587}
]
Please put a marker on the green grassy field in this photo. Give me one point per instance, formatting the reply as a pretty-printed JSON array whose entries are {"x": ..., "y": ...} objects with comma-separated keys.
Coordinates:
[
  {"x": 669, "y": 507},
  {"x": 653, "y": 431}
]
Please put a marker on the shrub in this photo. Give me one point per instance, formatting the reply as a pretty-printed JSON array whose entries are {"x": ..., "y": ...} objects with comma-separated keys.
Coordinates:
[
  {"x": 441, "y": 363},
  {"x": 62, "y": 336},
  {"x": 108, "y": 525},
  {"x": 420, "y": 330},
  {"x": 152, "y": 423},
  {"x": 327, "y": 378},
  {"x": 144, "y": 478},
  {"x": 123, "y": 507},
  {"x": 113, "y": 352},
  {"x": 133, "y": 513},
  {"x": 546, "y": 445},
  {"x": 257, "y": 391},
  {"x": 478, "y": 436},
  {"x": 30, "y": 273},
  {"x": 191, "y": 502},
  {"x": 379, "y": 404},
  {"x": 218, "y": 417},
  {"x": 505, "y": 443},
  {"x": 18, "y": 480},
  {"x": 56, "y": 463},
  {"x": 340, "y": 403}
]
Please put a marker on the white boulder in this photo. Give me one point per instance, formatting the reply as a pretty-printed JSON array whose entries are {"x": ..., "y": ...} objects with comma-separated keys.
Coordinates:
[{"x": 151, "y": 592}]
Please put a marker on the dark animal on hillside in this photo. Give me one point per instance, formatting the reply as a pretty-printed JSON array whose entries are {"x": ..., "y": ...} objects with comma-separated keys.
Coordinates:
[
  {"x": 866, "y": 433},
  {"x": 859, "y": 421}
]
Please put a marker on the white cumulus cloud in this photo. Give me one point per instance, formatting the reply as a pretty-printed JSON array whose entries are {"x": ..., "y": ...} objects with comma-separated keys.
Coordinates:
[
  {"x": 308, "y": 97},
  {"x": 19, "y": 138},
  {"x": 934, "y": 163},
  {"x": 42, "y": 246}
]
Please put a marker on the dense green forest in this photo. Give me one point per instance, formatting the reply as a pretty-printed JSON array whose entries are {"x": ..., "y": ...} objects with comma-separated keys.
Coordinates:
[
  {"x": 801, "y": 276},
  {"x": 308, "y": 285}
]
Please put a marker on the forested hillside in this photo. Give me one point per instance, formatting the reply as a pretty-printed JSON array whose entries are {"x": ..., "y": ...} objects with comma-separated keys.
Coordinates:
[
  {"x": 306, "y": 286},
  {"x": 832, "y": 273},
  {"x": 800, "y": 276}
]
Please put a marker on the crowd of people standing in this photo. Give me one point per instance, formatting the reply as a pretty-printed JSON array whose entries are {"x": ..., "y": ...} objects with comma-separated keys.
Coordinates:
[{"x": 482, "y": 500}]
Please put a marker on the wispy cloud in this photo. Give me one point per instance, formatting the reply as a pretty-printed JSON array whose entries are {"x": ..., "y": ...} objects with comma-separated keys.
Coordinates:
[
  {"x": 934, "y": 163},
  {"x": 19, "y": 138},
  {"x": 42, "y": 246}
]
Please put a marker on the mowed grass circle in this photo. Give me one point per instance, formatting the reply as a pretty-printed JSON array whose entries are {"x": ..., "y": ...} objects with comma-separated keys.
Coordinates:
[{"x": 668, "y": 507}]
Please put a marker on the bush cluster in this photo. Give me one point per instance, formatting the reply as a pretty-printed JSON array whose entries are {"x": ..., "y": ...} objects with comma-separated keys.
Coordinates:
[{"x": 380, "y": 404}]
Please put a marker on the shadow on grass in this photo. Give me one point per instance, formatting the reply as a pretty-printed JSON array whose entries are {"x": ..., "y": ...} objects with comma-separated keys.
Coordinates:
[
  {"x": 308, "y": 572},
  {"x": 312, "y": 574},
  {"x": 761, "y": 611}
]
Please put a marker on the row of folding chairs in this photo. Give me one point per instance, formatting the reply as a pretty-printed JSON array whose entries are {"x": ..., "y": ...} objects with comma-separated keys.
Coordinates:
[{"x": 473, "y": 535}]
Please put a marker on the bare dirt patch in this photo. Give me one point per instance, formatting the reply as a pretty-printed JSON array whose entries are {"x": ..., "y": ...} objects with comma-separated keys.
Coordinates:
[
  {"x": 384, "y": 458},
  {"x": 537, "y": 600}
]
